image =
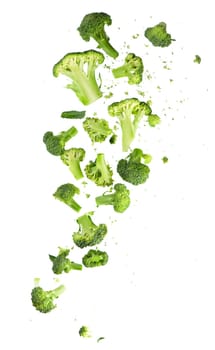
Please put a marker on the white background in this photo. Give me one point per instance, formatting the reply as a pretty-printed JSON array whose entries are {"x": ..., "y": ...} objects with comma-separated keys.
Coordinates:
[{"x": 157, "y": 291}]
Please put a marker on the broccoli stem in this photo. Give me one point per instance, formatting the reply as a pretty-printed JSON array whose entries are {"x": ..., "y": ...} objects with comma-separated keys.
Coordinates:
[
  {"x": 75, "y": 169},
  {"x": 105, "y": 199},
  {"x": 76, "y": 266},
  {"x": 102, "y": 166},
  {"x": 58, "y": 291},
  {"x": 74, "y": 205},
  {"x": 120, "y": 72},
  {"x": 85, "y": 222},
  {"x": 127, "y": 132},
  {"x": 68, "y": 134},
  {"x": 107, "y": 47}
]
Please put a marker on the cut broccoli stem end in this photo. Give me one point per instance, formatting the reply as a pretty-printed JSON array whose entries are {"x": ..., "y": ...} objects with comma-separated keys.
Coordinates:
[
  {"x": 120, "y": 72},
  {"x": 58, "y": 291},
  {"x": 105, "y": 200},
  {"x": 74, "y": 205},
  {"x": 87, "y": 90},
  {"x": 75, "y": 266},
  {"x": 127, "y": 133}
]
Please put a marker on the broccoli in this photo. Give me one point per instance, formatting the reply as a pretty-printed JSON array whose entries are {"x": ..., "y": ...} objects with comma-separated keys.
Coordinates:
[
  {"x": 97, "y": 129},
  {"x": 84, "y": 332},
  {"x": 165, "y": 159},
  {"x": 95, "y": 258},
  {"x": 158, "y": 35},
  {"x": 132, "y": 69},
  {"x": 92, "y": 26},
  {"x": 65, "y": 194},
  {"x": 89, "y": 234},
  {"x": 113, "y": 139},
  {"x": 43, "y": 300},
  {"x": 55, "y": 143},
  {"x": 99, "y": 171},
  {"x": 61, "y": 262},
  {"x": 153, "y": 119},
  {"x": 80, "y": 67},
  {"x": 132, "y": 170},
  {"x": 120, "y": 199},
  {"x": 73, "y": 114},
  {"x": 129, "y": 112},
  {"x": 197, "y": 59},
  {"x": 72, "y": 158}
]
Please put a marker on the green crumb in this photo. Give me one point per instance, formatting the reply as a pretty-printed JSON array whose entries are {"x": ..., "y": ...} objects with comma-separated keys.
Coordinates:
[
  {"x": 165, "y": 159},
  {"x": 141, "y": 93},
  {"x": 197, "y": 59},
  {"x": 109, "y": 95},
  {"x": 100, "y": 338},
  {"x": 135, "y": 36},
  {"x": 84, "y": 332}
]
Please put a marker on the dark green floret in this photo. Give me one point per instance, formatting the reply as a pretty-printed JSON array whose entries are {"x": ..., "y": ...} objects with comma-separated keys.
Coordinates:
[
  {"x": 65, "y": 194},
  {"x": 84, "y": 332},
  {"x": 61, "y": 263},
  {"x": 43, "y": 300},
  {"x": 98, "y": 129},
  {"x": 72, "y": 158},
  {"x": 158, "y": 35},
  {"x": 119, "y": 199},
  {"x": 132, "y": 69},
  {"x": 55, "y": 144},
  {"x": 99, "y": 171},
  {"x": 95, "y": 258}
]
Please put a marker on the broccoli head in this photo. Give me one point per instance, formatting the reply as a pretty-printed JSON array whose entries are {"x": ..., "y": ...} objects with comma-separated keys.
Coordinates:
[
  {"x": 84, "y": 332},
  {"x": 43, "y": 300},
  {"x": 158, "y": 35},
  {"x": 65, "y": 194},
  {"x": 55, "y": 144},
  {"x": 97, "y": 129},
  {"x": 80, "y": 67},
  {"x": 132, "y": 69},
  {"x": 72, "y": 158},
  {"x": 99, "y": 171},
  {"x": 120, "y": 199},
  {"x": 95, "y": 258},
  {"x": 61, "y": 263},
  {"x": 89, "y": 234},
  {"x": 132, "y": 170},
  {"x": 92, "y": 26}
]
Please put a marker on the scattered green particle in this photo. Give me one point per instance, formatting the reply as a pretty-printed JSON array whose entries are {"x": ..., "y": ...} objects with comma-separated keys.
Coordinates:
[
  {"x": 197, "y": 59},
  {"x": 141, "y": 93},
  {"x": 149, "y": 76},
  {"x": 87, "y": 195},
  {"x": 135, "y": 36},
  {"x": 100, "y": 338},
  {"x": 165, "y": 160},
  {"x": 171, "y": 80},
  {"x": 149, "y": 102},
  {"x": 108, "y": 95},
  {"x": 166, "y": 67}
]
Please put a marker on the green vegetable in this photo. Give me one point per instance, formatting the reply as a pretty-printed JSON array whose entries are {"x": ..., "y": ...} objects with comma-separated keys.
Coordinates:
[
  {"x": 153, "y": 120},
  {"x": 98, "y": 129},
  {"x": 132, "y": 69},
  {"x": 80, "y": 67},
  {"x": 120, "y": 199},
  {"x": 61, "y": 262},
  {"x": 99, "y": 171},
  {"x": 92, "y": 26},
  {"x": 55, "y": 144},
  {"x": 95, "y": 258},
  {"x": 72, "y": 158},
  {"x": 165, "y": 160},
  {"x": 65, "y": 194},
  {"x": 158, "y": 35},
  {"x": 113, "y": 139},
  {"x": 89, "y": 234},
  {"x": 43, "y": 301},
  {"x": 84, "y": 332},
  {"x": 73, "y": 114},
  {"x": 197, "y": 59}
]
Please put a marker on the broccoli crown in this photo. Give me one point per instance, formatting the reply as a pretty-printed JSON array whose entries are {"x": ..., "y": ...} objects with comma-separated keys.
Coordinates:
[
  {"x": 97, "y": 129},
  {"x": 84, "y": 332},
  {"x": 99, "y": 171},
  {"x": 72, "y": 158},
  {"x": 92, "y": 26},
  {"x": 61, "y": 262},
  {"x": 80, "y": 67},
  {"x": 132, "y": 69},
  {"x": 65, "y": 194},
  {"x": 132, "y": 170},
  {"x": 158, "y": 35},
  {"x": 55, "y": 144},
  {"x": 120, "y": 199},
  {"x": 42, "y": 300},
  {"x": 95, "y": 258},
  {"x": 89, "y": 234}
]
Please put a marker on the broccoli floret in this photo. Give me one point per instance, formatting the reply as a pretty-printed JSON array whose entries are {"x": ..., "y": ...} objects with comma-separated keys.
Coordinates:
[
  {"x": 98, "y": 129},
  {"x": 89, "y": 234},
  {"x": 95, "y": 258},
  {"x": 61, "y": 262},
  {"x": 72, "y": 158},
  {"x": 73, "y": 114},
  {"x": 165, "y": 159},
  {"x": 197, "y": 59},
  {"x": 85, "y": 332},
  {"x": 65, "y": 194},
  {"x": 99, "y": 171},
  {"x": 55, "y": 144},
  {"x": 43, "y": 300},
  {"x": 129, "y": 113},
  {"x": 158, "y": 35},
  {"x": 113, "y": 139},
  {"x": 92, "y": 26},
  {"x": 153, "y": 120},
  {"x": 80, "y": 67},
  {"x": 120, "y": 199},
  {"x": 132, "y": 170},
  {"x": 132, "y": 69}
]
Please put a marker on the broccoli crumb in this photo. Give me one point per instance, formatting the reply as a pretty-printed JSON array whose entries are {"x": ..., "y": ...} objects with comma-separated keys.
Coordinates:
[{"x": 165, "y": 159}]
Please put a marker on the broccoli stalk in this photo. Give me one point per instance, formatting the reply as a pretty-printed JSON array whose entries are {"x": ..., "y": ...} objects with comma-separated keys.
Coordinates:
[
  {"x": 72, "y": 158},
  {"x": 61, "y": 262},
  {"x": 120, "y": 199},
  {"x": 43, "y": 300},
  {"x": 95, "y": 258},
  {"x": 98, "y": 129},
  {"x": 132, "y": 69},
  {"x": 55, "y": 144},
  {"x": 65, "y": 194},
  {"x": 99, "y": 171}
]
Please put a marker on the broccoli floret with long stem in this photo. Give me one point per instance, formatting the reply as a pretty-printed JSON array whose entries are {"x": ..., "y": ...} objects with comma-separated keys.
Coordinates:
[
  {"x": 43, "y": 300},
  {"x": 129, "y": 113},
  {"x": 55, "y": 144},
  {"x": 158, "y": 35},
  {"x": 99, "y": 171},
  {"x": 89, "y": 234},
  {"x": 98, "y": 129},
  {"x": 132, "y": 69},
  {"x": 65, "y": 193},
  {"x": 61, "y": 263},
  {"x": 81, "y": 67},
  {"x": 120, "y": 199},
  {"x": 95, "y": 258},
  {"x": 92, "y": 26},
  {"x": 85, "y": 332},
  {"x": 73, "y": 114},
  {"x": 72, "y": 158}
]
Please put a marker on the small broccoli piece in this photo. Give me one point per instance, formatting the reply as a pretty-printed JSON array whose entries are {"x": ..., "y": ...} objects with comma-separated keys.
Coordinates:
[
  {"x": 120, "y": 199},
  {"x": 153, "y": 120},
  {"x": 92, "y": 26},
  {"x": 61, "y": 262},
  {"x": 95, "y": 258},
  {"x": 132, "y": 69},
  {"x": 132, "y": 170},
  {"x": 80, "y": 67},
  {"x": 97, "y": 129},
  {"x": 73, "y": 114},
  {"x": 113, "y": 139},
  {"x": 85, "y": 332},
  {"x": 89, "y": 234},
  {"x": 165, "y": 159},
  {"x": 55, "y": 144},
  {"x": 65, "y": 194},
  {"x": 129, "y": 113},
  {"x": 72, "y": 158},
  {"x": 197, "y": 59},
  {"x": 43, "y": 300},
  {"x": 158, "y": 35},
  {"x": 99, "y": 171}
]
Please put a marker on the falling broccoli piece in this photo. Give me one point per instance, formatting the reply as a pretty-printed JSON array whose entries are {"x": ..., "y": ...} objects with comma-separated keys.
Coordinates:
[
  {"x": 147, "y": 158},
  {"x": 98, "y": 129},
  {"x": 81, "y": 67},
  {"x": 73, "y": 114},
  {"x": 113, "y": 139},
  {"x": 85, "y": 332},
  {"x": 132, "y": 170},
  {"x": 61, "y": 262},
  {"x": 153, "y": 120},
  {"x": 55, "y": 144},
  {"x": 197, "y": 59},
  {"x": 158, "y": 35},
  {"x": 165, "y": 160},
  {"x": 65, "y": 194},
  {"x": 120, "y": 199},
  {"x": 43, "y": 300},
  {"x": 100, "y": 338},
  {"x": 89, "y": 234},
  {"x": 72, "y": 158},
  {"x": 93, "y": 26},
  {"x": 99, "y": 171},
  {"x": 132, "y": 69},
  {"x": 95, "y": 258}
]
